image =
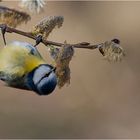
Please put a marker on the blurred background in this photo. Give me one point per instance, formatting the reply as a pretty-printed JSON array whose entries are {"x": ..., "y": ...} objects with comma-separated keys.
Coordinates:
[{"x": 103, "y": 99}]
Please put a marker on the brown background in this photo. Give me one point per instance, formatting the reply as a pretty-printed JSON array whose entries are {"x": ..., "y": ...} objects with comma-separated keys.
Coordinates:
[{"x": 103, "y": 99}]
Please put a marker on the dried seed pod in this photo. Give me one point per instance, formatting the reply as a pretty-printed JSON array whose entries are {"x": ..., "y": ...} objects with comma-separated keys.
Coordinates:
[
  {"x": 62, "y": 57},
  {"x": 46, "y": 26},
  {"x": 34, "y": 6},
  {"x": 111, "y": 50},
  {"x": 12, "y": 17}
]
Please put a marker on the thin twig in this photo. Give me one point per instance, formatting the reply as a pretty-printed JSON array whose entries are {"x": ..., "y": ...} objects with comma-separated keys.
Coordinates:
[{"x": 83, "y": 45}]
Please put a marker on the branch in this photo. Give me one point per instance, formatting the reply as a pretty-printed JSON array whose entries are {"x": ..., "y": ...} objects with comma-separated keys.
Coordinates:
[{"x": 83, "y": 45}]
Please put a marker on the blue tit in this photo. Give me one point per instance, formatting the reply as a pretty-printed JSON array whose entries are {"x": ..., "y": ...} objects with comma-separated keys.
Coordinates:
[{"x": 22, "y": 66}]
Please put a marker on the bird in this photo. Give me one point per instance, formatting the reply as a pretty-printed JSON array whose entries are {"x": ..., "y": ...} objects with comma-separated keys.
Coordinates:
[{"x": 23, "y": 67}]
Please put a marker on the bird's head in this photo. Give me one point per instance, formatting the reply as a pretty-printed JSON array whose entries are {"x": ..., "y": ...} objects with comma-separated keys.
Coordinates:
[{"x": 42, "y": 79}]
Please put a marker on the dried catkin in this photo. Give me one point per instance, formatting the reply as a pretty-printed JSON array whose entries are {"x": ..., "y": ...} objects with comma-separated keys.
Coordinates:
[{"x": 12, "y": 17}]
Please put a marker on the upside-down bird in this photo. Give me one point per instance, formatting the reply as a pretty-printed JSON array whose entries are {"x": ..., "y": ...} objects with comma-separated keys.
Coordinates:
[{"x": 22, "y": 66}]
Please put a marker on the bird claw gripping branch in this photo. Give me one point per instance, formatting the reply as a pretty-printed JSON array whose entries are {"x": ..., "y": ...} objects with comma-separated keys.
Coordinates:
[{"x": 3, "y": 31}]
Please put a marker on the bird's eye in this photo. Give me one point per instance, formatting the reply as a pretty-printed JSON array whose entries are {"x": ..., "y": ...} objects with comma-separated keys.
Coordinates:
[{"x": 47, "y": 74}]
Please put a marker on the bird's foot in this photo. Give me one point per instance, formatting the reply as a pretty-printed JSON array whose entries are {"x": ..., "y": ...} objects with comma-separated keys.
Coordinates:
[
  {"x": 38, "y": 40},
  {"x": 3, "y": 31}
]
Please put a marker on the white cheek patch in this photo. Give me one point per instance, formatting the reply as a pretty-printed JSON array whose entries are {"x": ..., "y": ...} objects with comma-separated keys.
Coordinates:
[
  {"x": 47, "y": 84},
  {"x": 40, "y": 72}
]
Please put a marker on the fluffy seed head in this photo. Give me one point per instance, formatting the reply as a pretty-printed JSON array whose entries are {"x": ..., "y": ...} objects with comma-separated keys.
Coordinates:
[
  {"x": 112, "y": 51},
  {"x": 34, "y": 6},
  {"x": 46, "y": 26}
]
